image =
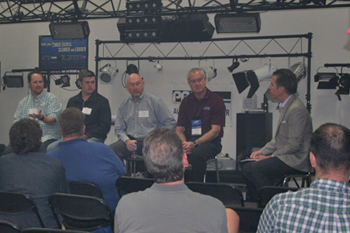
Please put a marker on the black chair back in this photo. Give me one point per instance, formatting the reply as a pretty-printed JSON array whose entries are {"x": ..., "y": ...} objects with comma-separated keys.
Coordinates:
[
  {"x": 12, "y": 203},
  {"x": 85, "y": 188},
  {"x": 48, "y": 230},
  {"x": 127, "y": 184},
  {"x": 265, "y": 194},
  {"x": 226, "y": 193},
  {"x": 8, "y": 227},
  {"x": 248, "y": 218},
  {"x": 80, "y": 212}
]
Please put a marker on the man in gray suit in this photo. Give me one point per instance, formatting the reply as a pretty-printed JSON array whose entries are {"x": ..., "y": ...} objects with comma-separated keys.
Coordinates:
[{"x": 288, "y": 152}]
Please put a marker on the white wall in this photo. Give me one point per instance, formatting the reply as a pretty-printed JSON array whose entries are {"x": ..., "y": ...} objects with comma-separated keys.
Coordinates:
[{"x": 330, "y": 44}]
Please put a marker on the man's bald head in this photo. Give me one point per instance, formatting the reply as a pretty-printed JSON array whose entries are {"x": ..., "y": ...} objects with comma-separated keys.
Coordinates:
[{"x": 135, "y": 85}]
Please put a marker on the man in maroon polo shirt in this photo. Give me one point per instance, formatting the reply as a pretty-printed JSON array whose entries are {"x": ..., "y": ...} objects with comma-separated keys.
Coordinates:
[{"x": 200, "y": 123}]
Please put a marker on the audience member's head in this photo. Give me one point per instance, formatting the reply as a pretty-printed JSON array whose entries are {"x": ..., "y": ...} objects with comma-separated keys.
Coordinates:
[
  {"x": 163, "y": 154},
  {"x": 25, "y": 136},
  {"x": 72, "y": 122},
  {"x": 330, "y": 144},
  {"x": 287, "y": 79}
]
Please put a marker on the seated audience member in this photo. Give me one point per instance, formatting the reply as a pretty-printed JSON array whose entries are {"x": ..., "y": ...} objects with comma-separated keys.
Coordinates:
[
  {"x": 90, "y": 162},
  {"x": 325, "y": 205},
  {"x": 288, "y": 151},
  {"x": 169, "y": 206},
  {"x": 26, "y": 170}
]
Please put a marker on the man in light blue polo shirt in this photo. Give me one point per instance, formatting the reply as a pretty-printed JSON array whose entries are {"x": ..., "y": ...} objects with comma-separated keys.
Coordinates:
[{"x": 137, "y": 116}]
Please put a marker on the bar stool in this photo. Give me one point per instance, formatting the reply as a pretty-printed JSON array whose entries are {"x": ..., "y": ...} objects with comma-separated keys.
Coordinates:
[
  {"x": 215, "y": 162},
  {"x": 221, "y": 162},
  {"x": 131, "y": 164}
]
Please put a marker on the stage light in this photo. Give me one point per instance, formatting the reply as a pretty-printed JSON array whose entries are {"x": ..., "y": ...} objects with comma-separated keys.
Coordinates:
[
  {"x": 144, "y": 5},
  {"x": 69, "y": 30},
  {"x": 234, "y": 65},
  {"x": 334, "y": 81},
  {"x": 12, "y": 80},
  {"x": 182, "y": 28},
  {"x": 326, "y": 80},
  {"x": 131, "y": 69},
  {"x": 237, "y": 23},
  {"x": 210, "y": 72},
  {"x": 143, "y": 20},
  {"x": 158, "y": 66},
  {"x": 107, "y": 74},
  {"x": 64, "y": 81},
  {"x": 299, "y": 69},
  {"x": 252, "y": 78},
  {"x": 344, "y": 81},
  {"x": 316, "y": 2},
  {"x": 148, "y": 35}
]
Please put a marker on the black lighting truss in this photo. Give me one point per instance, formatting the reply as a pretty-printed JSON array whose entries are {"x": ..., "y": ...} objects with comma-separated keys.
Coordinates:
[
  {"x": 29, "y": 11},
  {"x": 269, "y": 46}
]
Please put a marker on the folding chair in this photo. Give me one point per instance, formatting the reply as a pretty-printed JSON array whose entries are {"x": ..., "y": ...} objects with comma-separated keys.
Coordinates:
[
  {"x": 85, "y": 188},
  {"x": 48, "y": 230},
  {"x": 305, "y": 179},
  {"x": 80, "y": 212},
  {"x": 248, "y": 218},
  {"x": 8, "y": 227},
  {"x": 226, "y": 193},
  {"x": 265, "y": 194},
  {"x": 127, "y": 184},
  {"x": 12, "y": 203}
]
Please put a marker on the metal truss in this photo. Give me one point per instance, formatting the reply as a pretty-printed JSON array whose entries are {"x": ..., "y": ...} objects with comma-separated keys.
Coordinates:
[
  {"x": 29, "y": 11},
  {"x": 241, "y": 47},
  {"x": 253, "y": 47}
]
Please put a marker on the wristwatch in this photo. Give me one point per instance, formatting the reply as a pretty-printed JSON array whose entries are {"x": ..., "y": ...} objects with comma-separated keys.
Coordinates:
[
  {"x": 195, "y": 143},
  {"x": 41, "y": 119}
]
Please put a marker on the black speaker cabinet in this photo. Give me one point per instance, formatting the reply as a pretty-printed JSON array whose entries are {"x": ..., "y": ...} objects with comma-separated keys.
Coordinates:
[{"x": 253, "y": 130}]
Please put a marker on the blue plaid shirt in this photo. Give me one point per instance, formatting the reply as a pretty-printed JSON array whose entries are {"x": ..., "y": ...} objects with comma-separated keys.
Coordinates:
[
  {"x": 50, "y": 105},
  {"x": 324, "y": 207}
]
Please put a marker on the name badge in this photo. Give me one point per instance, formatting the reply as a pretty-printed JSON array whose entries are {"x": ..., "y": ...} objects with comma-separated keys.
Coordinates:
[
  {"x": 196, "y": 127},
  {"x": 87, "y": 111},
  {"x": 144, "y": 113},
  {"x": 33, "y": 111}
]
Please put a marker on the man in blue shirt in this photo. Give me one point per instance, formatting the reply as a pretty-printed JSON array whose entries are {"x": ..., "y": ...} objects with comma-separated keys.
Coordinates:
[{"x": 87, "y": 161}]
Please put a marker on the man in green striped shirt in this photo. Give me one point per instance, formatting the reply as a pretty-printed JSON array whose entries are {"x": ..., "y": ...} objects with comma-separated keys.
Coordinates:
[{"x": 325, "y": 206}]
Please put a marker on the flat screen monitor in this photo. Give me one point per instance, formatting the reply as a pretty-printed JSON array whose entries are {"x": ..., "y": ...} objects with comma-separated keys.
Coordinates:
[{"x": 57, "y": 55}]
